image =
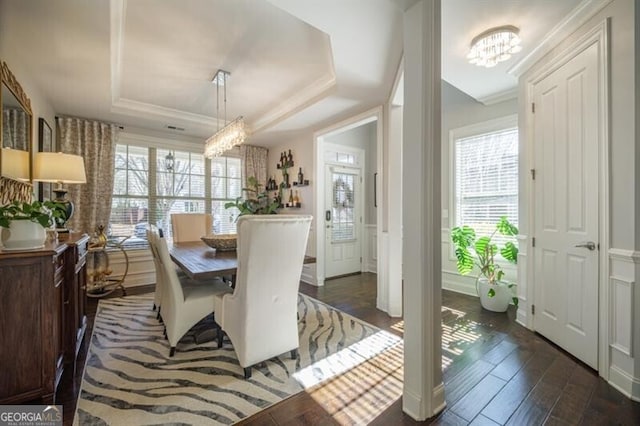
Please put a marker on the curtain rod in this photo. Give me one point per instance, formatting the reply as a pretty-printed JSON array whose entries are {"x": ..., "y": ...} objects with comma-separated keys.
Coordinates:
[{"x": 120, "y": 126}]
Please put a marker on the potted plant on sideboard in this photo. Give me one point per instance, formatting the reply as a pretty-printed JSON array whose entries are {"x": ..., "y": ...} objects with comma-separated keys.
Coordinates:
[
  {"x": 23, "y": 225},
  {"x": 495, "y": 293}
]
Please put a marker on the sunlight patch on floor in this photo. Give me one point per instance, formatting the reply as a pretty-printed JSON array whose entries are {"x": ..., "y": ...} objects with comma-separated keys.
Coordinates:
[
  {"x": 458, "y": 336},
  {"x": 345, "y": 359},
  {"x": 361, "y": 393}
]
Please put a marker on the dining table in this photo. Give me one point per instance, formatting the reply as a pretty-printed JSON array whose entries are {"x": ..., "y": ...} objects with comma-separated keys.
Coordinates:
[{"x": 201, "y": 262}]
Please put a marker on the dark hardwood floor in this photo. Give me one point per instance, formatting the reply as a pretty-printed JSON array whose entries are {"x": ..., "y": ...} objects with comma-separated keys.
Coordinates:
[{"x": 495, "y": 371}]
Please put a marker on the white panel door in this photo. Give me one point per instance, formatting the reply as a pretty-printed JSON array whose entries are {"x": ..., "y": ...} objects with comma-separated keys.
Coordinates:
[
  {"x": 342, "y": 221},
  {"x": 566, "y": 129}
]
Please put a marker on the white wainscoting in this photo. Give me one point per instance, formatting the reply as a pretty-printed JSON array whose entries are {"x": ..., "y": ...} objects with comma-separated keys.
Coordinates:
[
  {"x": 309, "y": 270},
  {"x": 370, "y": 249},
  {"x": 141, "y": 268},
  {"x": 623, "y": 272}
]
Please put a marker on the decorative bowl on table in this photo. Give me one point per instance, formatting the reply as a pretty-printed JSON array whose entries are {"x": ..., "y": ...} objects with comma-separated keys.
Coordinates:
[{"x": 221, "y": 242}]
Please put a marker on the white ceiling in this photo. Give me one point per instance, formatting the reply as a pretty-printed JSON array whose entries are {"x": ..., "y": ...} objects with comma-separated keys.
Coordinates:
[
  {"x": 462, "y": 20},
  {"x": 296, "y": 65}
]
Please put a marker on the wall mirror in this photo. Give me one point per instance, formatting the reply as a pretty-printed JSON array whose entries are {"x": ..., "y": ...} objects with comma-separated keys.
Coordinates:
[{"x": 16, "y": 121}]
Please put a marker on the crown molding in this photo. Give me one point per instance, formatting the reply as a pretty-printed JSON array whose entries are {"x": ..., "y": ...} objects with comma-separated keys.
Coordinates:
[
  {"x": 146, "y": 110},
  {"x": 301, "y": 100},
  {"x": 584, "y": 11},
  {"x": 284, "y": 108},
  {"x": 496, "y": 98}
]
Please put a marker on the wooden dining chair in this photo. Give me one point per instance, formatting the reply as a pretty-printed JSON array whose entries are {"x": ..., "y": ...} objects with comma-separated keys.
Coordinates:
[
  {"x": 187, "y": 227},
  {"x": 260, "y": 317}
]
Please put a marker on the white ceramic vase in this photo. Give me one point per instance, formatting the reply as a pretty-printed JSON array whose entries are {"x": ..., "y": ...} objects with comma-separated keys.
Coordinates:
[
  {"x": 500, "y": 301},
  {"x": 23, "y": 235}
]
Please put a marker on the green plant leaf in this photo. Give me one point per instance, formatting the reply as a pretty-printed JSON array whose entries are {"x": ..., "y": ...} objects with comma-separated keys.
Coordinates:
[
  {"x": 464, "y": 260},
  {"x": 510, "y": 252},
  {"x": 506, "y": 228},
  {"x": 499, "y": 274},
  {"x": 491, "y": 292},
  {"x": 515, "y": 301},
  {"x": 482, "y": 246},
  {"x": 463, "y": 236}
]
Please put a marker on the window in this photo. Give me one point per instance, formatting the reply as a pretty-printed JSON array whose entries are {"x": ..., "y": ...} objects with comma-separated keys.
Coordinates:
[
  {"x": 486, "y": 175},
  {"x": 149, "y": 188},
  {"x": 226, "y": 185}
]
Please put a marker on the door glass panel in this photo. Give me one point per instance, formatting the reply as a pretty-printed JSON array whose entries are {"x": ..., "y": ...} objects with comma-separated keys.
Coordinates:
[{"x": 342, "y": 206}]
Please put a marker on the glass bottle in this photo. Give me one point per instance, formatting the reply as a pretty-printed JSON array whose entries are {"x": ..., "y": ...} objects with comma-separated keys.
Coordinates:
[
  {"x": 296, "y": 199},
  {"x": 300, "y": 176},
  {"x": 291, "y": 198}
]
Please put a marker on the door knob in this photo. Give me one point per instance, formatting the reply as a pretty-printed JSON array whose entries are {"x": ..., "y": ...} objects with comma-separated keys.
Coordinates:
[{"x": 588, "y": 245}]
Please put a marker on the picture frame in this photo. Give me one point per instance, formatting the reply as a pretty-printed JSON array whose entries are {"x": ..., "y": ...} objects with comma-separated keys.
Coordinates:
[{"x": 45, "y": 144}]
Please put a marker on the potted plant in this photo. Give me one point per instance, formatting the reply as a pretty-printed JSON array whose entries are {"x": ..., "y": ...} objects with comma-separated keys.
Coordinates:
[
  {"x": 495, "y": 294},
  {"x": 256, "y": 203},
  {"x": 24, "y": 224}
]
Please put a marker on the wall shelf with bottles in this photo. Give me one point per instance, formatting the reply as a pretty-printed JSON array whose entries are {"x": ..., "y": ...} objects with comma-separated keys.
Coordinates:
[{"x": 286, "y": 162}]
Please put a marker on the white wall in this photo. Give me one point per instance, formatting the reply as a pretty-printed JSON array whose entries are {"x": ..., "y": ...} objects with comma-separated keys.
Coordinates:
[
  {"x": 459, "y": 110},
  {"x": 11, "y": 53}
]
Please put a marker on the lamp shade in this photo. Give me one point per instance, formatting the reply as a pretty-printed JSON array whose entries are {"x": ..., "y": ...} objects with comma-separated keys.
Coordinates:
[
  {"x": 58, "y": 167},
  {"x": 15, "y": 164}
]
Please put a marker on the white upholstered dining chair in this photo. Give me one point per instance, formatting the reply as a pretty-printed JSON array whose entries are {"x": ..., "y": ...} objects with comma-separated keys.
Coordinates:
[
  {"x": 260, "y": 317},
  {"x": 186, "y": 227},
  {"x": 184, "y": 302}
]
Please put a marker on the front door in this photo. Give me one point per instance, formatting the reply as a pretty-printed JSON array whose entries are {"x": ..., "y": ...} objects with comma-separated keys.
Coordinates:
[
  {"x": 566, "y": 219},
  {"x": 342, "y": 221}
]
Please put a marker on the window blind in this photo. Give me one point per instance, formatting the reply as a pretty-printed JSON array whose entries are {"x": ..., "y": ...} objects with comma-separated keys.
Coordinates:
[
  {"x": 486, "y": 180},
  {"x": 148, "y": 188}
]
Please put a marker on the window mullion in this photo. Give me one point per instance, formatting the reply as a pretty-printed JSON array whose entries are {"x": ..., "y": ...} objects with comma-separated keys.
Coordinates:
[
  {"x": 152, "y": 190},
  {"x": 207, "y": 186}
]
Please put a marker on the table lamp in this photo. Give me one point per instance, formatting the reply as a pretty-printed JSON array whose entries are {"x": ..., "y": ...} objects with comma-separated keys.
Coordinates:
[
  {"x": 59, "y": 168},
  {"x": 15, "y": 164}
]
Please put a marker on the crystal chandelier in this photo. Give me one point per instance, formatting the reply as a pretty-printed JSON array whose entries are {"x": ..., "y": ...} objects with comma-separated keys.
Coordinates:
[
  {"x": 494, "y": 45},
  {"x": 230, "y": 135}
]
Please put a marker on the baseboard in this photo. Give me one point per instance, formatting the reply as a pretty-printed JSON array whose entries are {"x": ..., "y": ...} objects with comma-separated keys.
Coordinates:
[
  {"x": 413, "y": 405},
  {"x": 622, "y": 381},
  {"x": 457, "y": 286},
  {"x": 308, "y": 275}
]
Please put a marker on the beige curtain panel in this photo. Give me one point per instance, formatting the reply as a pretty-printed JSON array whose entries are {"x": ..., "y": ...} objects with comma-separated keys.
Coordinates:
[
  {"x": 254, "y": 160},
  {"x": 96, "y": 143}
]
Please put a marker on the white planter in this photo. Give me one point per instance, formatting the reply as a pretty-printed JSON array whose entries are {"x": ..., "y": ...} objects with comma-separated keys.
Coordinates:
[
  {"x": 500, "y": 301},
  {"x": 23, "y": 235}
]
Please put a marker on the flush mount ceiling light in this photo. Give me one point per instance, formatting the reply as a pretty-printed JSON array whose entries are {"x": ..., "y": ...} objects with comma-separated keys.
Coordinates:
[
  {"x": 232, "y": 134},
  {"x": 494, "y": 45}
]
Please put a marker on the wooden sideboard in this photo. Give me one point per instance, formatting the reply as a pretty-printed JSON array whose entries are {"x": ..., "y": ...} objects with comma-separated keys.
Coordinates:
[{"x": 42, "y": 317}]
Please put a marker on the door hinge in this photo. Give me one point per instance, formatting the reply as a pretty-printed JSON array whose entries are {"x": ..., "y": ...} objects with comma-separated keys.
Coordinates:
[
  {"x": 533, "y": 174},
  {"x": 598, "y": 246},
  {"x": 533, "y": 242},
  {"x": 533, "y": 107},
  {"x": 533, "y": 309}
]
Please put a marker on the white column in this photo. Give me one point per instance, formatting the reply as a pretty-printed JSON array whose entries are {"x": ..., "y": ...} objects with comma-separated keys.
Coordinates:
[{"x": 423, "y": 395}]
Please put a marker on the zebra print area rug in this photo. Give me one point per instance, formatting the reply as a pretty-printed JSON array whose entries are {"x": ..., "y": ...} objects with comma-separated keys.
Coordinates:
[{"x": 130, "y": 379}]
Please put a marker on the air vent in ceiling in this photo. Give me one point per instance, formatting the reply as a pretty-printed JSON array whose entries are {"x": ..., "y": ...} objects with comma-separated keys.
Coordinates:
[{"x": 175, "y": 128}]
